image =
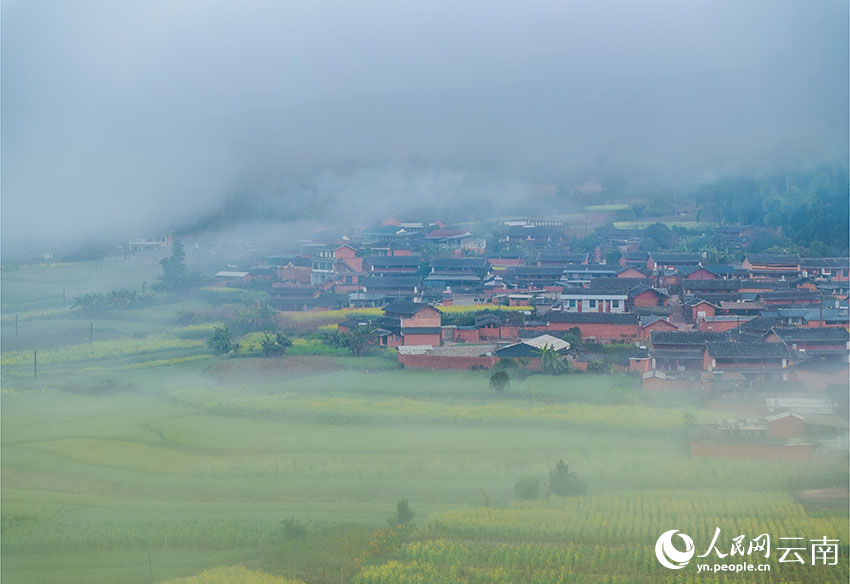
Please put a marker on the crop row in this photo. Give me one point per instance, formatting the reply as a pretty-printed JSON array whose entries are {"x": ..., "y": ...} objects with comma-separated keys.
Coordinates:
[
  {"x": 100, "y": 350},
  {"x": 609, "y": 519},
  {"x": 233, "y": 575},
  {"x": 358, "y": 409}
]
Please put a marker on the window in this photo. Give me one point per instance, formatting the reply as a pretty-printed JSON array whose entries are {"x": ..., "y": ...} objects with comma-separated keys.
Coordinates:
[
  {"x": 573, "y": 303},
  {"x": 615, "y": 304},
  {"x": 593, "y": 303}
]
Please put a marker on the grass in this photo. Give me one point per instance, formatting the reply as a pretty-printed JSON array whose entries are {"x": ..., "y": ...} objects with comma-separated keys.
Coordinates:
[{"x": 607, "y": 208}]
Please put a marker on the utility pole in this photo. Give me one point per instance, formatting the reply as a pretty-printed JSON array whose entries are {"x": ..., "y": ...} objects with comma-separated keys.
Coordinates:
[
  {"x": 91, "y": 333},
  {"x": 35, "y": 363}
]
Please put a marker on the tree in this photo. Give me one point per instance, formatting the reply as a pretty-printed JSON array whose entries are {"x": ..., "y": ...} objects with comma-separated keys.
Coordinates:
[
  {"x": 527, "y": 488},
  {"x": 359, "y": 338},
  {"x": 403, "y": 514},
  {"x": 613, "y": 256},
  {"x": 257, "y": 316},
  {"x": 499, "y": 381},
  {"x": 563, "y": 482},
  {"x": 275, "y": 345},
  {"x": 222, "y": 340},
  {"x": 550, "y": 361},
  {"x": 175, "y": 276},
  {"x": 662, "y": 235}
]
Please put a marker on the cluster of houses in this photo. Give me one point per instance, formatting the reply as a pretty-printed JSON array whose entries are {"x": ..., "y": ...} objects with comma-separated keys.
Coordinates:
[
  {"x": 773, "y": 327},
  {"x": 768, "y": 317}
]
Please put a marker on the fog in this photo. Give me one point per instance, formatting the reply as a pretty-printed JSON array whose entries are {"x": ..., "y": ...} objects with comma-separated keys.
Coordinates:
[{"x": 130, "y": 117}]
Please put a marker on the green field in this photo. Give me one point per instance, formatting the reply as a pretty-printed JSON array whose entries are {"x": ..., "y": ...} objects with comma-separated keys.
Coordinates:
[{"x": 142, "y": 457}]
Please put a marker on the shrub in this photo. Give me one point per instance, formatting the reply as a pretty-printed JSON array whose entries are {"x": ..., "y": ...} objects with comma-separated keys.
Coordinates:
[
  {"x": 527, "y": 488},
  {"x": 292, "y": 528},
  {"x": 403, "y": 513},
  {"x": 499, "y": 381},
  {"x": 564, "y": 483}
]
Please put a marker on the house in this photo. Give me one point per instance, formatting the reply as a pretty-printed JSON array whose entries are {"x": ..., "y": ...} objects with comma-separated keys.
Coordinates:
[
  {"x": 722, "y": 323},
  {"x": 648, "y": 324},
  {"x": 393, "y": 265},
  {"x": 366, "y": 300},
  {"x": 699, "y": 309},
  {"x": 772, "y": 265},
  {"x": 530, "y": 349},
  {"x": 455, "y": 272},
  {"x": 264, "y": 272},
  {"x": 230, "y": 278},
  {"x": 644, "y": 295},
  {"x": 293, "y": 268},
  {"x": 561, "y": 260},
  {"x": 753, "y": 360},
  {"x": 671, "y": 260},
  {"x": 463, "y": 357},
  {"x": 411, "y": 323},
  {"x": 802, "y": 403},
  {"x": 822, "y": 342},
  {"x": 699, "y": 287},
  {"x": 294, "y": 297},
  {"x": 632, "y": 272},
  {"x": 602, "y": 326},
  {"x": 635, "y": 259},
  {"x": 696, "y": 272},
  {"x": 835, "y": 269},
  {"x": 335, "y": 262},
  {"x": 789, "y": 297},
  {"x": 535, "y": 276},
  {"x": 534, "y": 235},
  {"x": 392, "y": 286},
  {"x": 810, "y": 317},
  {"x": 456, "y": 240},
  {"x": 588, "y": 272},
  {"x": 504, "y": 260},
  {"x": 593, "y": 300}
]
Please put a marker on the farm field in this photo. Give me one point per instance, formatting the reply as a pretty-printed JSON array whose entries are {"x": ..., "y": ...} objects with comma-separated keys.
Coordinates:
[{"x": 142, "y": 457}]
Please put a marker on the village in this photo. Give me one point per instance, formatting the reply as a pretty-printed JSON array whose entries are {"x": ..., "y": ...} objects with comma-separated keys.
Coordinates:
[{"x": 767, "y": 334}]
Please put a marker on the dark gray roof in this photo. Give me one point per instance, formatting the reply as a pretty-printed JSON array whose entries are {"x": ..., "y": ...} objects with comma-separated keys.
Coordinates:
[
  {"x": 422, "y": 330},
  {"x": 641, "y": 288},
  {"x": 747, "y": 350},
  {"x": 798, "y": 334},
  {"x": 553, "y": 271},
  {"x": 470, "y": 263},
  {"x": 394, "y": 261},
  {"x": 789, "y": 295},
  {"x": 621, "y": 284},
  {"x": 674, "y": 258},
  {"x": 825, "y": 263},
  {"x": 773, "y": 259},
  {"x": 593, "y": 292},
  {"x": 686, "y": 337},
  {"x": 759, "y": 324},
  {"x": 570, "y": 258},
  {"x": 591, "y": 268},
  {"x": 711, "y": 284}
]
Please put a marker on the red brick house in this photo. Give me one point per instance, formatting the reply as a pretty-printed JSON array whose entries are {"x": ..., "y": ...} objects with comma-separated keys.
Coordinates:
[
  {"x": 654, "y": 323},
  {"x": 410, "y": 323},
  {"x": 772, "y": 265},
  {"x": 648, "y": 296}
]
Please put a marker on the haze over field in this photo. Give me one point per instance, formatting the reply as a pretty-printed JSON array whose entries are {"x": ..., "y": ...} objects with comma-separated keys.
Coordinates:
[{"x": 125, "y": 117}]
